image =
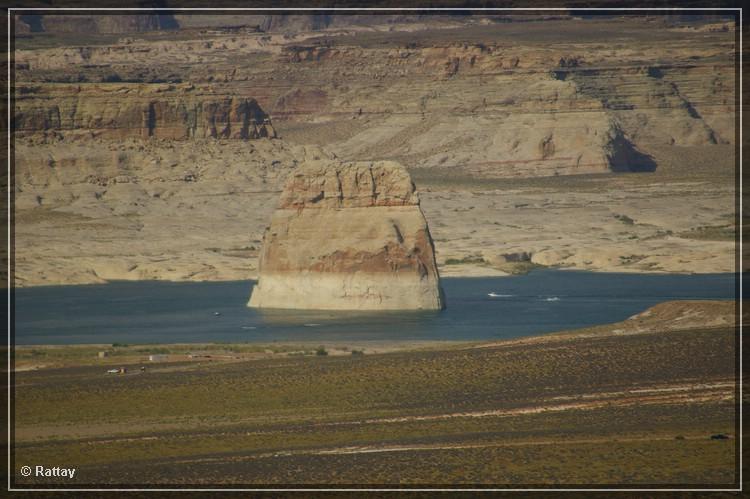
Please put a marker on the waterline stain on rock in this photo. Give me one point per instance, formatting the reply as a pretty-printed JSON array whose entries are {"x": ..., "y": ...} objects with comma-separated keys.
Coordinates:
[{"x": 348, "y": 236}]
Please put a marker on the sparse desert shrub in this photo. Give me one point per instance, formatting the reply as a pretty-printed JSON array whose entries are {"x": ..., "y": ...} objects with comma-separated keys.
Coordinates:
[
  {"x": 520, "y": 267},
  {"x": 624, "y": 219},
  {"x": 321, "y": 351},
  {"x": 467, "y": 259},
  {"x": 156, "y": 351}
]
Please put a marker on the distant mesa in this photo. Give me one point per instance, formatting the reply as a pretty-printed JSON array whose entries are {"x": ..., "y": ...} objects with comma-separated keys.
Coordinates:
[{"x": 348, "y": 236}]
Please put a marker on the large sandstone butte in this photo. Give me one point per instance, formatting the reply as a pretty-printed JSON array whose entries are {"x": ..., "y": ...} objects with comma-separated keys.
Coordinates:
[{"x": 348, "y": 236}]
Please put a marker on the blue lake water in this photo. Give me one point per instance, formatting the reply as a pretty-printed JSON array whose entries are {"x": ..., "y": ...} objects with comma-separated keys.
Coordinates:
[{"x": 165, "y": 312}]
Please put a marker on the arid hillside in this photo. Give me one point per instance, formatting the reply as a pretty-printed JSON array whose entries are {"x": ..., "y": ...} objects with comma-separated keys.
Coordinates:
[{"x": 650, "y": 401}]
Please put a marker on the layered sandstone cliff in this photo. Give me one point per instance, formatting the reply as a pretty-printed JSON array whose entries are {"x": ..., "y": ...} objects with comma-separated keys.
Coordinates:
[
  {"x": 487, "y": 99},
  {"x": 138, "y": 111},
  {"x": 348, "y": 236}
]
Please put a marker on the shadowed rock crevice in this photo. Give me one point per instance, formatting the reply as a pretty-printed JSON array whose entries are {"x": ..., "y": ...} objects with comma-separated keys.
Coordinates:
[
  {"x": 623, "y": 156},
  {"x": 655, "y": 72}
]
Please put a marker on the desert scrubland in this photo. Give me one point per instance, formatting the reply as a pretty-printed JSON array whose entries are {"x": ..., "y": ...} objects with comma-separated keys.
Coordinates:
[{"x": 594, "y": 406}]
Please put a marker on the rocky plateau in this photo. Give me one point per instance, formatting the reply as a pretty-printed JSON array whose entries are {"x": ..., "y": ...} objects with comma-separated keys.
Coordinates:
[{"x": 158, "y": 148}]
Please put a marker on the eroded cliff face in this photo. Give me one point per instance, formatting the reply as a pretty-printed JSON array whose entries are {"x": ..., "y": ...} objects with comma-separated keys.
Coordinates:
[
  {"x": 348, "y": 236},
  {"x": 143, "y": 111},
  {"x": 515, "y": 99},
  {"x": 515, "y": 110}
]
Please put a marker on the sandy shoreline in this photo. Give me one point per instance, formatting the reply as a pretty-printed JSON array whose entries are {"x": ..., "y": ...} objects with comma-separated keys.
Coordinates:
[
  {"x": 451, "y": 271},
  {"x": 35, "y": 357}
]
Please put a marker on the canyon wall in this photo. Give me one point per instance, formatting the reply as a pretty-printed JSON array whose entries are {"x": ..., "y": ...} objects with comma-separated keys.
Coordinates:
[
  {"x": 131, "y": 110},
  {"x": 490, "y": 99}
]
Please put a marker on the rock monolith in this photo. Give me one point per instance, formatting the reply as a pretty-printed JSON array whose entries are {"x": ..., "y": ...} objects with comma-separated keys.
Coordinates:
[{"x": 348, "y": 236}]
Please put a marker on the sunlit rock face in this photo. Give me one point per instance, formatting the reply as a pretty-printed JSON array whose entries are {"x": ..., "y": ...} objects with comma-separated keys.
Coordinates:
[
  {"x": 348, "y": 236},
  {"x": 137, "y": 111}
]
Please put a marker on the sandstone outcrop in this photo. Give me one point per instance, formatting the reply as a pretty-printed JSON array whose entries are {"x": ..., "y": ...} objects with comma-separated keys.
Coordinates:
[
  {"x": 348, "y": 236},
  {"x": 142, "y": 111}
]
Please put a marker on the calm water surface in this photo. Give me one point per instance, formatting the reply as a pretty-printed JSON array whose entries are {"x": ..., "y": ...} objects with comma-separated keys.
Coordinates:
[{"x": 164, "y": 312}]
